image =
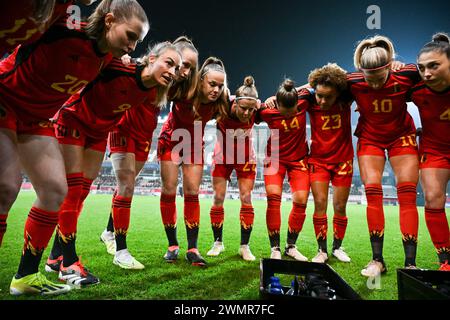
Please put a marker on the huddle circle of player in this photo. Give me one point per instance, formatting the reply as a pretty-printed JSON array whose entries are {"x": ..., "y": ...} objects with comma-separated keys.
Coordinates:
[{"x": 67, "y": 95}]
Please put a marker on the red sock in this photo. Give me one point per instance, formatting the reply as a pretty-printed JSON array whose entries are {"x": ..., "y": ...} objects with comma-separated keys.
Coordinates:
[
  {"x": 3, "y": 225},
  {"x": 168, "y": 209},
  {"x": 437, "y": 225},
  {"x": 273, "y": 214},
  {"x": 68, "y": 213},
  {"x": 375, "y": 212},
  {"x": 246, "y": 216},
  {"x": 191, "y": 211},
  {"x": 217, "y": 215},
  {"x": 121, "y": 214},
  {"x": 339, "y": 226},
  {"x": 409, "y": 217},
  {"x": 320, "y": 226},
  {"x": 297, "y": 217},
  {"x": 39, "y": 228},
  {"x": 87, "y": 183}
]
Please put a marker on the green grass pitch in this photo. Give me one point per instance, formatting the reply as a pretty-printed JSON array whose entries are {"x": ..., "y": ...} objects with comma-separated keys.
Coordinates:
[{"x": 227, "y": 277}]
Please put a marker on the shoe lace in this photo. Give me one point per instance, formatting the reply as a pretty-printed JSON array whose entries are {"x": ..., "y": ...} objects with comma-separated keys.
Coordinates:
[{"x": 40, "y": 280}]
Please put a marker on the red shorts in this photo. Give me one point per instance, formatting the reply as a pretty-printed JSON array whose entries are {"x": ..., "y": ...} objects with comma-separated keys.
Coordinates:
[
  {"x": 243, "y": 171},
  {"x": 298, "y": 174},
  {"x": 9, "y": 120},
  {"x": 340, "y": 174},
  {"x": 67, "y": 135},
  {"x": 167, "y": 152},
  {"x": 119, "y": 143},
  {"x": 401, "y": 146},
  {"x": 429, "y": 160}
]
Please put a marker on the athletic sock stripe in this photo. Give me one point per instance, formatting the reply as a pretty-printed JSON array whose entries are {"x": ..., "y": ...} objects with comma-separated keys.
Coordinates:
[
  {"x": 406, "y": 189},
  {"x": 123, "y": 203},
  {"x": 45, "y": 219},
  {"x": 427, "y": 210},
  {"x": 168, "y": 197},
  {"x": 192, "y": 199},
  {"x": 274, "y": 197},
  {"x": 41, "y": 218}
]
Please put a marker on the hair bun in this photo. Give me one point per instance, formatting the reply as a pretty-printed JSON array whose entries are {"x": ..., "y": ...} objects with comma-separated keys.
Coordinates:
[
  {"x": 249, "y": 81},
  {"x": 288, "y": 85},
  {"x": 441, "y": 37}
]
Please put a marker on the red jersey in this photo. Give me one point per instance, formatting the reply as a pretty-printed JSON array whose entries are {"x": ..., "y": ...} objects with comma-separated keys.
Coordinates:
[
  {"x": 239, "y": 135},
  {"x": 37, "y": 79},
  {"x": 434, "y": 109},
  {"x": 100, "y": 106},
  {"x": 182, "y": 116},
  {"x": 383, "y": 112},
  {"x": 289, "y": 133},
  {"x": 16, "y": 26},
  {"x": 331, "y": 131},
  {"x": 140, "y": 122}
]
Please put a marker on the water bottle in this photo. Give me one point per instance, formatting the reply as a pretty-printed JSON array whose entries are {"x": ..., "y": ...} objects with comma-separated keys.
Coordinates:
[{"x": 274, "y": 286}]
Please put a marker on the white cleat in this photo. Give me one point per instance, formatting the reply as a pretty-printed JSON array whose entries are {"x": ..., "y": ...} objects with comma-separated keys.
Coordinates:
[
  {"x": 321, "y": 257},
  {"x": 216, "y": 249},
  {"x": 373, "y": 269},
  {"x": 341, "y": 255},
  {"x": 108, "y": 238},
  {"x": 292, "y": 251},
  {"x": 275, "y": 253},
  {"x": 125, "y": 260},
  {"x": 245, "y": 253}
]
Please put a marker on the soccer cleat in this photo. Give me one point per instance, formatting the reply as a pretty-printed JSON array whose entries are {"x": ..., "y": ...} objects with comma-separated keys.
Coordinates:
[
  {"x": 275, "y": 253},
  {"x": 77, "y": 275},
  {"x": 321, "y": 257},
  {"x": 171, "y": 254},
  {"x": 444, "y": 266},
  {"x": 374, "y": 269},
  {"x": 341, "y": 255},
  {"x": 36, "y": 283},
  {"x": 216, "y": 249},
  {"x": 245, "y": 253},
  {"x": 108, "y": 238},
  {"x": 292, "y": 251},
  {"x": 411, "y": 267},
  {"x": 52, "y": 265},
  {"x": 195, "y": 259},
  {"x": 125, "y": 260}
]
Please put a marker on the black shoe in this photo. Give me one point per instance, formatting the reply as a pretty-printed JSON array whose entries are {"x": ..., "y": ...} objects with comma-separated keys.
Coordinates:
[
  {"x": 195, "y": 259},
  {"x": 171, "y": 256}
]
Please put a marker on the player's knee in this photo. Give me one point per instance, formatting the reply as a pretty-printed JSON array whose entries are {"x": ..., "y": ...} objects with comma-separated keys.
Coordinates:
[
  {"x": 246, "y": 197},
  {"x": 53, "y": 194},
  {"x": 169, "y": 188},
  {"x": 127, "y": 190},
  {"x": 8, "y": 194},
  {"x": 339, "y": 207},
  {"x": 320, "y": 203},
  {"x": 434, "y": 199},
  {"x": 219, "y": 199}
]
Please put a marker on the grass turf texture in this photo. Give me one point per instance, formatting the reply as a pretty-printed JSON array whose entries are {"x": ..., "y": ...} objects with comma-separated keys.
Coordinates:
[{"x": 227, "y": 277}]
